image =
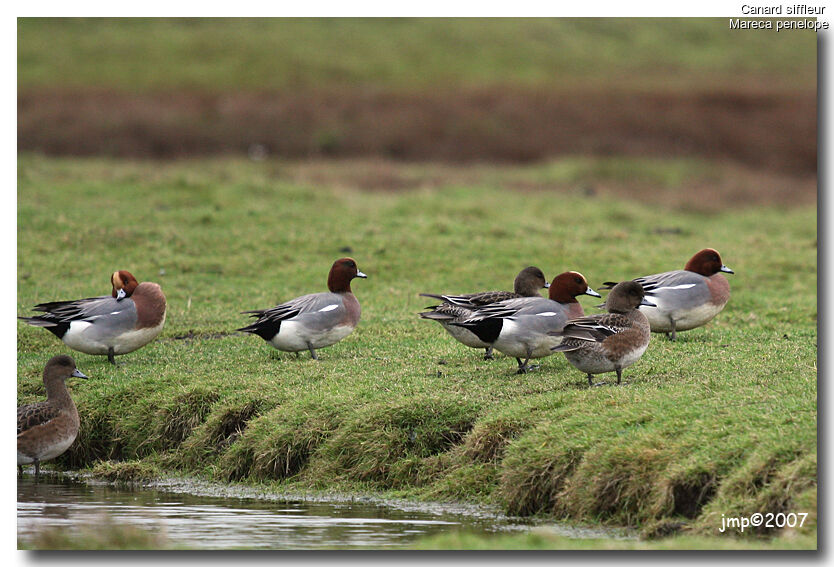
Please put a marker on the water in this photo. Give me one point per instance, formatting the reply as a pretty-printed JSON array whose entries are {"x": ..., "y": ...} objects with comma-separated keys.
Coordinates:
[{"x": 209, "y": 516}]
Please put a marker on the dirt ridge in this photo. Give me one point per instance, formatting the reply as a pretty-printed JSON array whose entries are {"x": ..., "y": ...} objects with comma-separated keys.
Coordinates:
[{"x": 774, "y": 131}]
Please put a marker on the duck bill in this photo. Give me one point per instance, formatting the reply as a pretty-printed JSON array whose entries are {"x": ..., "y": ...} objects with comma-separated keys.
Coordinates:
[
  {"x": 78, "y": 374},
  {"x": 592, "y": 293},
  {"x": 546, "y": 285},
  {"x": 121, "y": 294},
  {"x": 725, "y": 269},
  {"x": 361, "y": 275},
  {"x": 647, "y": 303}
]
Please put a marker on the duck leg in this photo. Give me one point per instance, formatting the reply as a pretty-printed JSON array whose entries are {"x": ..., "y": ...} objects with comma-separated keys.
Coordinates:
[
  {"x": 522, "y": 366},
  {"x": 37, "y": 468},
  {"x": 312, "y": 351},
  {"x": 488, "y": 354},
  {"x": 591, "y": 382},
  {"x": 525, "y": 367},
  {"x": 111, "y": 355},
  {"x": 19, "y": 471},
  {"x": 619, "y": 374},
  {"x": 673, "y": 335}
]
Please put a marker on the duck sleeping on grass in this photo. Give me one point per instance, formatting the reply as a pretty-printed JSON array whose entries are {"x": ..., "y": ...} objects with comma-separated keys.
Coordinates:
[{"x": 127, "y": 320}]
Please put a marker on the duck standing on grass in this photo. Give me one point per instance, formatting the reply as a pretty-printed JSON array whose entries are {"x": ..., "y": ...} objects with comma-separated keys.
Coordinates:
[
  {"x": 131, "y": 318},
  {"x": 312, "y": 321},
  {"x": 47, "y": 429},
  {"x": 608, "y": 342},
  {"x": 688, "y": 298},
  {"x": 527, "y": 283},
  {"x": 520, "y": 327}
]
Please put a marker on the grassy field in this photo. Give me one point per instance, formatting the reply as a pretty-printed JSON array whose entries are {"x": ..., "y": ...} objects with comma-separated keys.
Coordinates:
[
  {"x": 220, "y": 55},
  {"x": 544, "y": 540},
  {"x": 721, "y": 422}
]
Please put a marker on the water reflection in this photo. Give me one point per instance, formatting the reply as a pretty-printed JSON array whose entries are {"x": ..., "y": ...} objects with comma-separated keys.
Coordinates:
[
  {"x": 212, "y": 522},
  {"x": 218, "y": 523}
]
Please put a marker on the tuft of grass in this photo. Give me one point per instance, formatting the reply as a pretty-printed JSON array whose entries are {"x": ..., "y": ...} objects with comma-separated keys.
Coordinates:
[
  {"x": 723, "y": 421},
  {"x": 279, "y": 444},
  {"x": 385, "y": 444},
  {"x": 489, "y": 438},
  {"x": 175, "y": 420},
  {"x": 222, "y": 428}
]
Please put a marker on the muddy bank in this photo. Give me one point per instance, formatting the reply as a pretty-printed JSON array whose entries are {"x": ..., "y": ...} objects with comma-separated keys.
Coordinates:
[{"x": 773, "y": 131}]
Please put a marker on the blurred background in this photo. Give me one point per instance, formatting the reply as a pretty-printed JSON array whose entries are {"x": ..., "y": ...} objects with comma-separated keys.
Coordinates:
[{"x": 458, "y": 91}]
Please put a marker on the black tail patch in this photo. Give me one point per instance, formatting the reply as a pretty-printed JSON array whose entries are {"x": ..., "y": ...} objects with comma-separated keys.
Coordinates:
[
  {"x": 485, "y": 329},
  {"x": 56, "y": 328},
  {"x": 264, "y": 328}
]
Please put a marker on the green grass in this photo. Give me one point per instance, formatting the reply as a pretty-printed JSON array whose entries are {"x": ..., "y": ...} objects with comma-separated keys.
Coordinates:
[
  {"x": 544, "y": 540},
  {"x": 721, "y": 422},
  {"x": 216, "y": 54}
]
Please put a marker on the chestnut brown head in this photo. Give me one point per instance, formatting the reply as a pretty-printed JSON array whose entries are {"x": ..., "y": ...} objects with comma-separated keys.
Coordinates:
[
  {"x": 123, "y": 283},
  {"x": 707, "y": 262},
  {"x": 566, "y": 286},
  {"x": 342, "y": 272}
]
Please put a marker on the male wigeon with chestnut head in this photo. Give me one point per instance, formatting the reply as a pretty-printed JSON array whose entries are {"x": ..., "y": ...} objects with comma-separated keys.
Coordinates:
[
  {"x": 47, "y": 429},
  {"x": 130, "y": 318},
  {"x": 312, "y": 321},
  {"x": 688, "y": 298},
  {"x": 608, "y": 342},
  {"x": 520, "y": 327},
  {"x": 527, "y": 283}
]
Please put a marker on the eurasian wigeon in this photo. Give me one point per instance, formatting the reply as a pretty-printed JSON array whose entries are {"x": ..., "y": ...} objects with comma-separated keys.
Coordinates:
[
  {"x": 312, "y": 321},
  {"x": 519, "y": 327},
  {"x": 129, "y": 319},
  {"x": 688, "y": 298},
  {"x": 527, "y": 283},
  {"x": 608, "y": 342},
  {"x": 47, "y": 429}
]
